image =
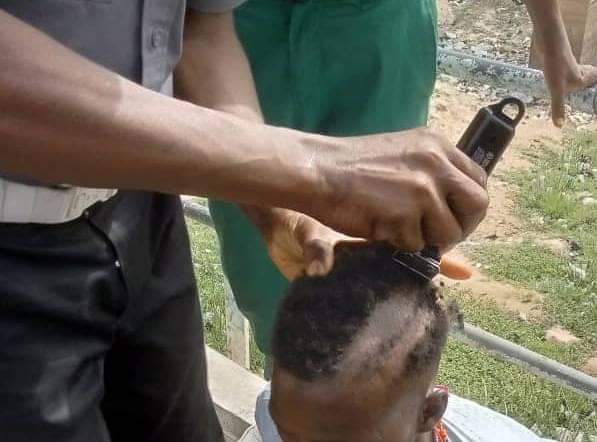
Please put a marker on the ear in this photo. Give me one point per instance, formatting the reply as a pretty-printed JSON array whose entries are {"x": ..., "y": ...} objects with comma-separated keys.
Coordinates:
[{"x": 434, "y": 408}]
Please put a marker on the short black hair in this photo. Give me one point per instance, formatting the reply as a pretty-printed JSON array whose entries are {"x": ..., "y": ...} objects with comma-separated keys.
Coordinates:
[{"x": 320, "y": 316}]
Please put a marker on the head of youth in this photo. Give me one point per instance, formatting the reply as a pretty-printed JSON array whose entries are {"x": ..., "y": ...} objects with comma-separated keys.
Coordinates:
[{"x": 356, "y": 353}]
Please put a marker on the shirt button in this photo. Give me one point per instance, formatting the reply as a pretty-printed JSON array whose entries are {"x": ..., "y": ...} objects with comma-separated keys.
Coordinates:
[{"x": 158, "y": 38}]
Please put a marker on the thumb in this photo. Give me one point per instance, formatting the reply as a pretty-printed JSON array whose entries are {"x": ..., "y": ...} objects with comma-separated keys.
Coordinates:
[
  {"x": 317, "y": 247},
  {"x": 318, "y": 256}
]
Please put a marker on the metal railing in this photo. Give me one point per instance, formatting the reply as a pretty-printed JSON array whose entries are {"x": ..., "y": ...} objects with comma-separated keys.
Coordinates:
[{"x": 577, "y": 381}]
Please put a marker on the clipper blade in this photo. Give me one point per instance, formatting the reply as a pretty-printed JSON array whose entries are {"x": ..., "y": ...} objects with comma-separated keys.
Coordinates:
[{"x": 424, "y": 263}]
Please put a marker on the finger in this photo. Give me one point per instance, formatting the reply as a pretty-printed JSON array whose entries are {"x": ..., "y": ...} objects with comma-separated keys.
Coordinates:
[
  {"x": 558, "y": 107},
  {"x": 440, "y": 227},
  {"x": 467, "y": 200},
  {"x": 406, "y": 234},
  {"x": 454, "y": 269},
  {"x": 467, "y": 166},
  {"x": 318, "y": 242}
]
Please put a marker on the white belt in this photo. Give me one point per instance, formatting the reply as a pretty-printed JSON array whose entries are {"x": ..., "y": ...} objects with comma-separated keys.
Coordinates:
[{"x": 23, "y": 203}]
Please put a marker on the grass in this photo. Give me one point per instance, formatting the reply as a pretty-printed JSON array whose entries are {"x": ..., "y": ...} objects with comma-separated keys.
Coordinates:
[
  {"x": 553, "y": 196},
  {"x": 488, "y": 316},
  {"x": 570, "y": 302},
  {"x": 212, "y": 289},
  {"x": 210, "y": 278},
  {"x": 511, "y": 390},
  {"x": 515, "y": 392},
  {"x": 558, "y": 182}
]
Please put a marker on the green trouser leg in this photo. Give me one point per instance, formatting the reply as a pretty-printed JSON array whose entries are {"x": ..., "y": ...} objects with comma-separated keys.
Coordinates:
[{"x": 337, "y": 67}]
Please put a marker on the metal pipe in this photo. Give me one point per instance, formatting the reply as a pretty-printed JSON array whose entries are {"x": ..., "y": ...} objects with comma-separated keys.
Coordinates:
[
  {"x": 198, "y": 212},
  {"x": 510, "y": 77},
  {"x": 535, "y": 363}
]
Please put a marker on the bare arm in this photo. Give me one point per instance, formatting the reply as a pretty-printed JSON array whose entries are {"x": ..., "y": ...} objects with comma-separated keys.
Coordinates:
[
  {"x": 214, "y": 71},
  {"x": 562, "y": 72},
  {"x": 65, "y": 119}
]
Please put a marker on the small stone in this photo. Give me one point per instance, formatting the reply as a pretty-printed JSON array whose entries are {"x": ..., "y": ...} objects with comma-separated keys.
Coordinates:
[
  {"x": 583, "y": 194},
  {"x": 557, "y": 246},
  {"x": 208, "y": 317},
  {"x": 561, "y": 336},
  {"x": 577, "y": 271},
  {"x": 589, "y": 201},
  {"x": 523, "y": 317},
  {"x": 564, "y": 435},
  {"x": 590, "y": 366}
]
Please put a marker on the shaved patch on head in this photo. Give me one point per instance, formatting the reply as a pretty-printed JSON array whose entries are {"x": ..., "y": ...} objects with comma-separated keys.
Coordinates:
[{"x": 327, "y": 323}]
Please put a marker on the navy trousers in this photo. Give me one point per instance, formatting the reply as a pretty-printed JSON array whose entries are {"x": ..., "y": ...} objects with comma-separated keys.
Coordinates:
[{"x": 100, "y": 328}]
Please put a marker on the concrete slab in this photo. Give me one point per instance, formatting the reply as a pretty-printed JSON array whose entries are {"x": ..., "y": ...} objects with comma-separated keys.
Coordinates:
[{"x": 234, "y": 391}]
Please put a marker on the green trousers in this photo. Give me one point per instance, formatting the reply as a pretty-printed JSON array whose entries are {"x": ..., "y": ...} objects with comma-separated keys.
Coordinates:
[{"x": 336, "y": 67}]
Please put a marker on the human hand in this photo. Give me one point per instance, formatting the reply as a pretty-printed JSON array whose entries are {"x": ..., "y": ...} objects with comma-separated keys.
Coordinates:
[
  {"x": 564, "y": 75},
  {"x": 410, "y": 188},
  {"x": 300, "y": 245}
]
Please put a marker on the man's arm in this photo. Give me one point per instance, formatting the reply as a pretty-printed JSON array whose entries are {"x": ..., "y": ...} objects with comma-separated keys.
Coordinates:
[
  {"x": 563, "y": 74},
  {"x": 214, "y": 72},
  {"x": 64, "y": 119}
]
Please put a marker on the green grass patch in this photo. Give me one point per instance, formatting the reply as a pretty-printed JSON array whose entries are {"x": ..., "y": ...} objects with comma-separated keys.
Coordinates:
[
  {"x": 569, "y": 301},
  {"x": 212, "y": 289},
  {"x": 558, "y": 183},
  {"x": 210, "y": 278},
  {"x": 515, "y": 392},
  {"x": 488, "y": 316},
  {"x": 557, "y": 196}
]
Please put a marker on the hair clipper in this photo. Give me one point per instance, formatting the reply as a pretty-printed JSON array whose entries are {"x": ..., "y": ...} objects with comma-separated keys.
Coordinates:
[{"x": 484, "y": 141}]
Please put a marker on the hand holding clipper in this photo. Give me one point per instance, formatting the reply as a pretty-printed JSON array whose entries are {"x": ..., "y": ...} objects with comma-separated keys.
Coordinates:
[{"x": 484, "y": 141}]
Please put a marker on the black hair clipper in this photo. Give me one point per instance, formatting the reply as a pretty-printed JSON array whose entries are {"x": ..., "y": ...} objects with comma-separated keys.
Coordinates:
[{"x": 484, "y": 141}]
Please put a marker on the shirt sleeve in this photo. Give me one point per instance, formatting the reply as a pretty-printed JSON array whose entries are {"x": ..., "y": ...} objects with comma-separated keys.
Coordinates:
[{"x": 214, "y": 6}]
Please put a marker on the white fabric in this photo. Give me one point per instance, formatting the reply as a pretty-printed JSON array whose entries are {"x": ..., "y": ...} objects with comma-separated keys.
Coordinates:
[
  {"x": 23, "y": 203},
  {"x": 466, "y": 421}
]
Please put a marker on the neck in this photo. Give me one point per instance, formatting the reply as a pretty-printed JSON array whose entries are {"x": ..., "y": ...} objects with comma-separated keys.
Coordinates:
[{"x": 424, "y": 437}]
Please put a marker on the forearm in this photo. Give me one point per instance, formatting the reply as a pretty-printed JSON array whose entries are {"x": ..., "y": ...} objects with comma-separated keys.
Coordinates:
[
  {"x": 548, "y": 24},
  {"x": 214, "y": 72},
  {"x": 66, "y": 120}
]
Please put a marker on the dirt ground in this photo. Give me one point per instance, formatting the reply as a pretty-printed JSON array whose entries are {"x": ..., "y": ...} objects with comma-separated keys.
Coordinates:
[{"x": 498, "y": 29}]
